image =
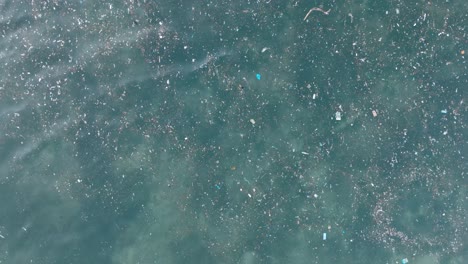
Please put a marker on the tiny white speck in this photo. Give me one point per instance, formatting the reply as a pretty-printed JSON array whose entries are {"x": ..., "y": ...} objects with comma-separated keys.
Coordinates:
[{"x": 338, "y": 116}]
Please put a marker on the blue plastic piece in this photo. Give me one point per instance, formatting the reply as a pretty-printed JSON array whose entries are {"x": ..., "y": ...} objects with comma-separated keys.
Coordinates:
[{"x": 258, "y": 76}]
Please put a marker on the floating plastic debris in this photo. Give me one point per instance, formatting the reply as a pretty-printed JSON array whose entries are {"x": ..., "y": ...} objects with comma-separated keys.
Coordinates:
[
  {"x": 443, "y": 111},
  {"x": 338, "y": 116},
  {"x": 324, "y": 236},
  {"x": 258, "y": 76}
]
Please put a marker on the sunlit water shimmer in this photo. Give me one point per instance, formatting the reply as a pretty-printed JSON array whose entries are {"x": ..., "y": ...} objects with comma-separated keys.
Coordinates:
[{"x": 144, "y": 131}]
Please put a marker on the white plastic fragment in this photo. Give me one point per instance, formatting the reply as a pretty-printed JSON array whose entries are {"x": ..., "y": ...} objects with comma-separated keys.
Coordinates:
[
  {"x": 338, "y": 115},
  {"x": 324, "y": 236},
  {"x": 252, "y": 121}
]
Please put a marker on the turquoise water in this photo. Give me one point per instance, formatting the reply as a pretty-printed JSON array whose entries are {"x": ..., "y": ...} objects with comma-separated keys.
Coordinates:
[{"x": 140, "y": 132}]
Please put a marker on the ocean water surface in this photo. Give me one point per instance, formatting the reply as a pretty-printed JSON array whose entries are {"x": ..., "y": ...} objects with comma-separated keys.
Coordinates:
[{"x": 239, "y": 132}]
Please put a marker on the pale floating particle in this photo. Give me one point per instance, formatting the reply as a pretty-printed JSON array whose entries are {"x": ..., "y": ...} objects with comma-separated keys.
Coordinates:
[
  {"x": 314, "y": 96},
  {"x": 305, "y": 153},
  {"x": 397, "y": 11},
  {"x": 265, "y": 49},
  {"x": 324, "y": 236},
  {"x": 2, "y": 236},
  {"x": 338, "y": 115},
  {"x": 252, "y": 121},
  {"x": 168, "y": 82},
  {"x": 374, "y": 113}
]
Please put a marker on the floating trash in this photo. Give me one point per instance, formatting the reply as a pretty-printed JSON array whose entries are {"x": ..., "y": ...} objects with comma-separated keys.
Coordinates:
[
  {"x": 338, "y": 116},
  {"x": 258, "y": 76}
]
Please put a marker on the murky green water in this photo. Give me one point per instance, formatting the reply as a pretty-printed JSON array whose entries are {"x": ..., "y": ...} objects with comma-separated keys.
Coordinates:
[{"x": 233, "y": 132}]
